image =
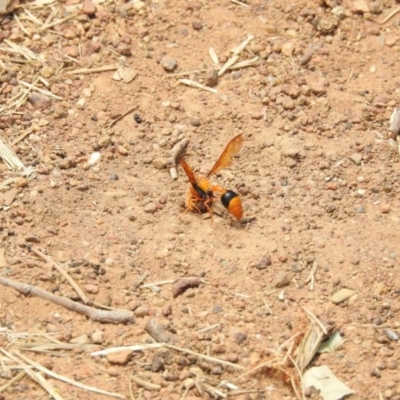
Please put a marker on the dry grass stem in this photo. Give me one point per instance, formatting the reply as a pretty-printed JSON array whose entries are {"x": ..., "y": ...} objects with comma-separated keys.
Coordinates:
[
  {"x": 228, "y": 64},
  {"x": 62, "y": 271},
  {"x": 186, "y": 73},
  {"x": 390, "y": 16},
  {"x": 197, "y": 85},
  {"x": 137, "y": 347},
  {"x": 213, "y": 56},
  {"x": 148, "y": 285},
  {"x": 208, "y": 358},
  {"x": 114, "y": 121},
  {"x": 58, "y": 22},
  {"x": 10, "y": 158},
  {"x": 145, "y": 384},
  {"x": 67, "y": 380},
  {"x": 208, "y": 328},
  {"x": 39, "y": 90},
  {"x": 237, "y": 50},
  {"x": 35, "y": 376},
  {"x": 240, "y": 3},
  {"x": 311, "y": 277},
  {"x": 11, "y": 382},
  {"x": 23, "y": 51},
  {"x": 245, "y": 63},
  {"x": 104, "y": 68}
]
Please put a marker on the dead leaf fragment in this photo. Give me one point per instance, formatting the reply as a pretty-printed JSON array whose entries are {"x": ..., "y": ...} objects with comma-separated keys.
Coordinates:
[{"x": 323, "y": 379}]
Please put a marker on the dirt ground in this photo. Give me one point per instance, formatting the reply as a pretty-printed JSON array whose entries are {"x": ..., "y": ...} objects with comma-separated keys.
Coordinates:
[{"x": 317, "y": 177}]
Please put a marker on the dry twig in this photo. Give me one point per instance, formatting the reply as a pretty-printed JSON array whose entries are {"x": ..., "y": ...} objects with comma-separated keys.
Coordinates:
[
  {"x": 175, "y": 153},
  {"x": 115, "y": 317}
]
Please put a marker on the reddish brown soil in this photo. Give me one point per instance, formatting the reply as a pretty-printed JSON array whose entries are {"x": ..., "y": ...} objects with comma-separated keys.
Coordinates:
[{"x": 317, "y": 178}]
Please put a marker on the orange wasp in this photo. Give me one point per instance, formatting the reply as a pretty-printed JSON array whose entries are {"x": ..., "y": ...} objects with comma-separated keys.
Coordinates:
[{"x": 202, "y": 194}]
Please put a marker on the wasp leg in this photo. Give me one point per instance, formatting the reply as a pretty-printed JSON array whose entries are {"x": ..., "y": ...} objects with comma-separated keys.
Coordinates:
[{"x": 191, "y": 204}]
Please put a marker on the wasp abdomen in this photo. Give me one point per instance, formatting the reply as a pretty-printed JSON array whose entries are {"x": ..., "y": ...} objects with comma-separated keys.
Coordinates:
[{"x": 231, "y": 201}]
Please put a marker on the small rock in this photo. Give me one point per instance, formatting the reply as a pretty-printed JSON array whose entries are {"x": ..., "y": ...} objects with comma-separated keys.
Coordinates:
[
  {"x": 47, "y": 72},
  {"x": 125, "y": 50},
  {"x": 236, "y": 75},
  {"x": 122, "y": 150},
  {"x": 150, "y": 208},
  {"x": 197, "y": 25},
  {"x": 342, "y": 295},
  {"x": 141, "y": 312},
  {"x": 211, "y": 78},
  {"x": 104, "y": 141},
  {"x": 93, "y": 289},
  {"x": 89, "y": 8},
  {"x": 21, "y": 182},
  {"x": 81, "y": 339},
  {"x": 32, "y": 239},
  {"x": 238, "y": 335},
  {"x": 166, "y": 310},
  {"x": 379, "y": 288},
  {"x": 195, "y": 121},
  {"x": 119, "y": 358},
  {"x": 90, "y": 48},
  {"x": 59, "y": 111},
  {"x": 385, "y": 208},
  {"x": 168, "y": 63},
  {"x": 281, "y": 280},
  {"x": 288, "y": 103},
  {"x": 356, "y": 158},
  {"x": 264, "y": 263},
  {"x": 157, "y": 364},
  {"x": 97, "y": 337},
  {"x": 160, "y": 163},
  {"x": 39, "y": 101},
  {"x": 360, "y": 6},
  {"x": 317, "y": 87},
  {"x": 67, "y": 163},
  {"x": 139, "y": 5},
  {"x": 282, "y": 257}
]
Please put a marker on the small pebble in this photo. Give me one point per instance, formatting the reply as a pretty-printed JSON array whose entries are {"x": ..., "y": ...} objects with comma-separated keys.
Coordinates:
[
  {"x": 211, "y": 78},
  {"x": 113, "y": 177},
  {"x": 342, "y": 295},
  {"x": 93, "y": 289},
  {"x": 160, "y": 163},
  {"x": 385, "y": 208},
  {"x": 104, "y": 141},
  {"x": 88, "y": 8},
  {"x": 197, "y": 25},
  {"x": 150, "y": 208},
  {"x": 356, "y": 158},
  {"x": 141, "y": 312},
  {"x": 122, "y": 150},
  {"x": 281, "y": 280},
  {"x": 168, "y": 63},
  {"x": 97, "y": 337},
  {"x": 81, "y": 339},
  {"x": 137, "y": 118},
  {"x": 119, "y": 358}
]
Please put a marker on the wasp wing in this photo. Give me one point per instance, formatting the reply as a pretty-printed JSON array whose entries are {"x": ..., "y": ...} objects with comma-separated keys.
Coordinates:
[
  {"x": 226, "y": 158},
  {"x": 188, "y": 170}
]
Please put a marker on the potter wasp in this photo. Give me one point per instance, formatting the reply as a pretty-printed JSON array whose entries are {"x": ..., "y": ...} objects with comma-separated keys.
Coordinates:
[{"x": 202, "y": 193}]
